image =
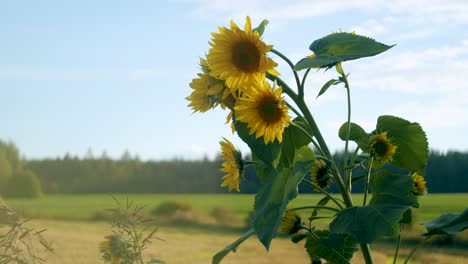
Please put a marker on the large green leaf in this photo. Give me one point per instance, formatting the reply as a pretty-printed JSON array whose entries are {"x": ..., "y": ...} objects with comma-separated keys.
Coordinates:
[
  {"x": 447, "y": 224},
  {"x": 411, "y": 141},
  {"x": 273, "y": 197},
  {"x": 293, "y": 139},
  {"x": 232, "y": 247},
  {"x": 268, "y": 153},
  {"x": 335, "y": 248},
  {"x": 357, "y": 134},
  {"x": 390, "y": 199},
  {"x": 339, "y": 47}
]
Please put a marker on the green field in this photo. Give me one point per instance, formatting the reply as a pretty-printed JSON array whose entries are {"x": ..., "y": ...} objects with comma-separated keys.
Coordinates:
[
  {"x": 84, "y": 207},
  {"x": 67, "y": 220}
]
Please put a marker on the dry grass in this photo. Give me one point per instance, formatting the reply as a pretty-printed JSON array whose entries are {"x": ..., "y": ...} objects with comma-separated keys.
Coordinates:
[{"x": 76, "y": 243}]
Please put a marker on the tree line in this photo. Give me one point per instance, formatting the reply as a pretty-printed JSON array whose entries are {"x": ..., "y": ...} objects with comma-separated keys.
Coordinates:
[{"x": 445, "y": 173}]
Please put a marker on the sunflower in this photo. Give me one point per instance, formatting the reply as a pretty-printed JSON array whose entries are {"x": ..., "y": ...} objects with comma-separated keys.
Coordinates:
[
  {"x": 238, "y": 56},
  {"x": 381, "y": 148},
  {"x": 110, "y": 248},
  {"x": 208, "y": 92},
  {"x": 319, "y": 174},
  {"x": 291, "y": 223},
  {"x": 232, "y": 165},
  {"x": 419, "y": 185},
  {"x": 264, "y": 111}
]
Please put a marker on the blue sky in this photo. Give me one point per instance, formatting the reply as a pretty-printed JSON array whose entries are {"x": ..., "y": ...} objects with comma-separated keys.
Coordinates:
[{"x": 113, "y": 75}]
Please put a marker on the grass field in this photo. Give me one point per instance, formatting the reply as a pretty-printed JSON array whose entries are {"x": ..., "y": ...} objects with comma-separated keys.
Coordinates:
[
  {"x": 84, "y": 207},
  {"x": 67, "y": 220}
]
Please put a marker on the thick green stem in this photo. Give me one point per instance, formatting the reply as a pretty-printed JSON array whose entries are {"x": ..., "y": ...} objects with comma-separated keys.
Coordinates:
[{"x": 367, "y": 253}]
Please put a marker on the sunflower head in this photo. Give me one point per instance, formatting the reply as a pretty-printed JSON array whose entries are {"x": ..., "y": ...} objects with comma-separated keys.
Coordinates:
[
  {"x": 232, "y": 165},
  {"x": 264, "y": 111},
  {"x": 419, "y": 185},
  {"x": 111, "y": 248},
  {"x": 208, "y": 92},
  {"x": 319, "y": 174},
  {"x": 291, "y": 223},
  {"x": 238, "y": 56},
  {"x": 381, "y": 148}
]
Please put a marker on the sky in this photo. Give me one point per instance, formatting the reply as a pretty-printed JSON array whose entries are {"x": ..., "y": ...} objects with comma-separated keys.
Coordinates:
[{"x": 113, "y": 75}]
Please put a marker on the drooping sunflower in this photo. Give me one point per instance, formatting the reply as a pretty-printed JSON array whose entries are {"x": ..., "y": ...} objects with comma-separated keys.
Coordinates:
[
  {"x": 206, "y": 92},
  {"x": 419, "y": 185},
  {"x": 291, "y": 223},
  {"x": 110, "y": 247},
  {"x": 319, "y": 175},
  {"x": 232, "y": 165},
  {"x": 264, "y": 111},
  {"x": 238, "y": 56},
  {"x": 381, "y": 148}
]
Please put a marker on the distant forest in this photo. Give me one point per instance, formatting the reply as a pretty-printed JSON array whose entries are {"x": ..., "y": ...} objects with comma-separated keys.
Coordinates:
[{"x": 445, "y": 173}]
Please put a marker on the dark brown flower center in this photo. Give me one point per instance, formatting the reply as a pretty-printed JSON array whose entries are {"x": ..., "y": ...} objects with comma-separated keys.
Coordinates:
[
  {"x": 381, "y": 148},
  {"x": 246, "y": 56},
  {"x": 269, "y": 109}
]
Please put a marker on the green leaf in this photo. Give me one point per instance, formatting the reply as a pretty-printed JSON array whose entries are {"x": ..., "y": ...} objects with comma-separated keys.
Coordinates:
[
  {"x": 232, "y": 247},
  {"x": 327, "y": 85},
  {"x": 407, "y": 217},
  {"x": 273, "y": 197},
  {"x": 293, "y": 139},
  {"x": 322, "y": 202},
  {"x": 269, "y": 153},
  {"x": 391, "y": 198},
  {"x": 411, "y": 141},
  {"x": 336, "y": 249},
  {"x": 339, "y": 47},
  {"x": 356, "y": 134},
  {"x": 261, "y": 27},
  {"x": 447, "y": 224}
]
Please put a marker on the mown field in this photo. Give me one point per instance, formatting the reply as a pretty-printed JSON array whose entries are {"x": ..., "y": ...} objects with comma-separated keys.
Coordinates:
[{"x": 70, "y": 223}]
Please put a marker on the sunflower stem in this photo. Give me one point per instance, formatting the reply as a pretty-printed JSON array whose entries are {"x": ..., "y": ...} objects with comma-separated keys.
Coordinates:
[
  {"x": 316, "y": 131},
  {"x": 351, "y": 167},
  {"x": 367, "y": 253},
  {"x": 314, "y": 207},
  {"x": 309, "y": 136},
  {"x": 416, "y": 248},
  {"x": 281, "y": 55},
  {"x": 397, "y": 247},
  {"x": 301, "y": 89},
  {"x": 335, "y": 200},
  {"x": 368, "y": 175},
  {"x": 347, "y": 172}
]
